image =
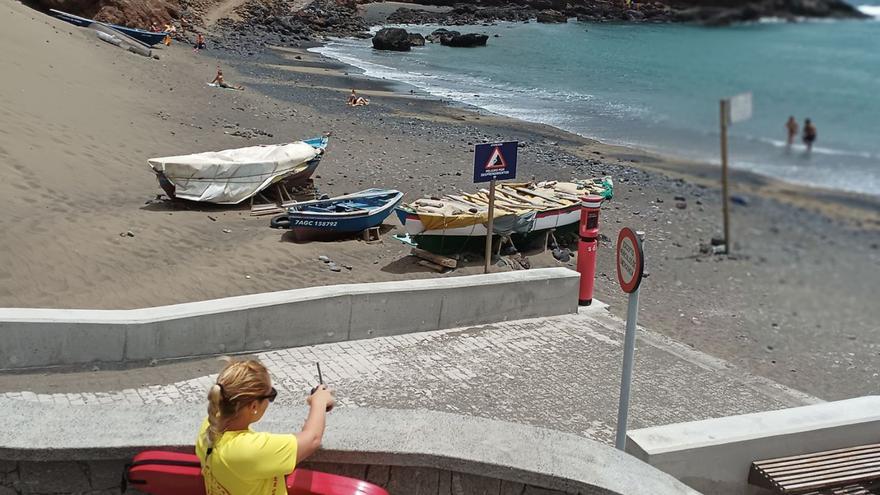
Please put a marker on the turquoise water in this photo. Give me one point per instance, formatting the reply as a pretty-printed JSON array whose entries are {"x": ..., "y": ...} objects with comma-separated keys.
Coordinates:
[{"x": 658, "y": 86}]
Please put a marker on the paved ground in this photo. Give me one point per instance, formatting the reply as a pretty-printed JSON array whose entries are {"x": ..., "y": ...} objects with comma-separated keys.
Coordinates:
[{"x": 560, "y": 372}]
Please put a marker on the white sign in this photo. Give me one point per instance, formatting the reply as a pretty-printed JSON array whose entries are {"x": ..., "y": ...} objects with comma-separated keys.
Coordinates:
[{"x": 740, "y": 108}]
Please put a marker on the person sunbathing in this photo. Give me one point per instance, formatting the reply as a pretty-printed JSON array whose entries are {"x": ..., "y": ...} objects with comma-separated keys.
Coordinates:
[
  {"x": 356, "y": 101},
  {"x": 218, "y": 80},
  {"x": 236, "y": 459},
  {"x": 200, "y": 43}
]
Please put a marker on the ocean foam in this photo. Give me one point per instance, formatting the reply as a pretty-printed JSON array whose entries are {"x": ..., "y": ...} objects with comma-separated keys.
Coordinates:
[{"x": 871, "y": 10}]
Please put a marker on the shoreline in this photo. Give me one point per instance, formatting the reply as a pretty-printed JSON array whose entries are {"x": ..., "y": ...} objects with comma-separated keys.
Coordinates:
[{"x": 858, "y": 208}]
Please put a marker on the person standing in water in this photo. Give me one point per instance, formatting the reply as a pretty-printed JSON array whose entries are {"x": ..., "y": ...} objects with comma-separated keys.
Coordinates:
[
  {"x": 792, "y": 127},
  {"x": 809, "y": 134}
]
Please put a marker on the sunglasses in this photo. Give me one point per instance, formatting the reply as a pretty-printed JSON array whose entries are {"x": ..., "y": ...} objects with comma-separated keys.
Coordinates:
[{"x": 271, "y": 395}]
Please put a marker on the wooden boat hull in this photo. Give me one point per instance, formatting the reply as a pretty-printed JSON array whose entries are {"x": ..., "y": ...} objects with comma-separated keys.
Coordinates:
[
  {"x": 544, "y": 220},
  {"x": 310, "y": 223}
]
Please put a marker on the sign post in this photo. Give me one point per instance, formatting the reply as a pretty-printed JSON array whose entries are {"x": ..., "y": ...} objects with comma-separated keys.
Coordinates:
[
  {"x": 630, "y": 267},
  {"x": 492, "y": 162},
  {"x": 734, "y": 109},
  {"x": 490, "y": 226}
]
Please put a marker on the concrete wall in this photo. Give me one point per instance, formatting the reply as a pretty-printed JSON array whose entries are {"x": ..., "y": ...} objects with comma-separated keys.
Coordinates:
[
  {"x": 714, "y": 455},
  {"x": 57, "y": 337},
  {"x": 408, "y": 452}
]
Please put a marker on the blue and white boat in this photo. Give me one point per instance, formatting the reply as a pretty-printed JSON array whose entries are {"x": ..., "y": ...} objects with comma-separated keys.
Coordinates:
[
  {"x": 148, "y": 38},
  {"x": 351, "y": 213}
]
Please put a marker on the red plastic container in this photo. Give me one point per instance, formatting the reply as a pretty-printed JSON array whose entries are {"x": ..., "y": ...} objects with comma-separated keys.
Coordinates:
[{"x": 173, "y": 473}]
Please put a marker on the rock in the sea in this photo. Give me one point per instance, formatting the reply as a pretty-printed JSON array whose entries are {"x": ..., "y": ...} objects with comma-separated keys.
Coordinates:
[
  {"x": 395, "y": 39},
  {"x": 438, "y": 35},
  {"x": 416, "y": 39},
  {"x": 465, "y": 40},
  {"x": 551, "y": 16}
]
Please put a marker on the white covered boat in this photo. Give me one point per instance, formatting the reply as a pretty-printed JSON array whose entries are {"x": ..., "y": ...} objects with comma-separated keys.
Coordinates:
[{"x": 232, "y": 176}]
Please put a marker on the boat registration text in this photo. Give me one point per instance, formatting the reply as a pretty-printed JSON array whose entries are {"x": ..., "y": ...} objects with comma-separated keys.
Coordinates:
[{"x": 315, "y": 223}]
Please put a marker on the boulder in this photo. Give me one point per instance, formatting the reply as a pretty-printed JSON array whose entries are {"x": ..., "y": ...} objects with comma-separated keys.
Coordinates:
[
  {"x": 416, "y": 39},
  {"x": 548, "y": 4},
  {"x": 395, "y": 39},
  {"x": 441, "y": 34},
  {"x": 465, "y": 40},
  {"x": 730, "y": 16},
  {"x": 551, "y": 16}
]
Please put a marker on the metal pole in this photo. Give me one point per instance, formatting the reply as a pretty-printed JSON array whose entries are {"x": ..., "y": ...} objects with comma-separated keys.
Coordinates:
[
  {"x": 725, "y": 200},
  {"x": 629, "y": 347},
  {"x": 489, "y": 226},
  {"x": 629, "y": 350}
]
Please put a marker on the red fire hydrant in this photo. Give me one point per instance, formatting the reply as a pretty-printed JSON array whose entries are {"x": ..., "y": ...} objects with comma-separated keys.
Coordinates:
[{"x": 589, "y": 241}]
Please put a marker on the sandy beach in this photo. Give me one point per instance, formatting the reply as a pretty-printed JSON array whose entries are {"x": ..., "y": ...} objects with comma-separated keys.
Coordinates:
[{"x": 79, "y": 118}]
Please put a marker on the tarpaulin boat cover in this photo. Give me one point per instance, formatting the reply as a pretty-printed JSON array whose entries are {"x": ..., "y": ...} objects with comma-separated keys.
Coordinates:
[{"x": 231, "y": 176}]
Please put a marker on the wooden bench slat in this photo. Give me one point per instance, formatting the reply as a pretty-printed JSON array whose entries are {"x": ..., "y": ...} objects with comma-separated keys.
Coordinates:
[
  {"x": 848, "y": 471},
  {"x": 844, "y": 461},
  {"x": 831, "y": 472},
  {"x": 821, "y": 454},
  {"x": 822, "y": 458},
  {"x": 826, "y": 482}
]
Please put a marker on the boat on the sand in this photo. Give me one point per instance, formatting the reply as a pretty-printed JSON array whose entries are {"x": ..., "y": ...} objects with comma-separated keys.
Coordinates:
[
  {"x": 520, "y": 209},
  {"x": 149, "y": 38},
  {"x": 231, "y": 176},
  {"x": 346, "y": 214}
]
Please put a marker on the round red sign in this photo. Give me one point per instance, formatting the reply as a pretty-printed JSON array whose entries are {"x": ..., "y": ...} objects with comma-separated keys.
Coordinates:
[{"x": 630, "y": 260}]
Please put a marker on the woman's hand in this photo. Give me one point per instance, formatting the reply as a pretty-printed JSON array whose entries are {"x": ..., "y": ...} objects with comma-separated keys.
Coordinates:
[{"x": 322, "y": 395}]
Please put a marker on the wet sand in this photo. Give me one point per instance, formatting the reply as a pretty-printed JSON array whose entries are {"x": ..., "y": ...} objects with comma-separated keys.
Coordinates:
[{"x": 79, "y": 118}]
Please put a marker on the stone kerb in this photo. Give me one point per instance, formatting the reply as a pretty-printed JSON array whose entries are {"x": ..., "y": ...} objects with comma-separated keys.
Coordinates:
[
  {"x": 299, "y": 317},
  {"x": 425, "y": 448},
  {"x": 715, "y": 455}
]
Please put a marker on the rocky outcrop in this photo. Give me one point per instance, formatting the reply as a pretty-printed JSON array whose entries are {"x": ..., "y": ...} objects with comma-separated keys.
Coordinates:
[
  {"x": 286, "y": 22},
  {"x": 463, "y": 14},
  {"x": 279, "y": 23},
  {"x": 133, "y": 13},
  {"x": 395, "y": 39},
  {"x": 707, "y": 12},
  {"x": 465, "y": 40},
  {"x": 416, "y": 39},
  {"x": 441, "y": 35},
  {"x": 551, "y": 16}
]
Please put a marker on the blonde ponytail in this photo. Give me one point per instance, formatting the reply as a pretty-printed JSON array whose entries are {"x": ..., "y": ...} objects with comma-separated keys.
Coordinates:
[{"x": 238, "y": 384}]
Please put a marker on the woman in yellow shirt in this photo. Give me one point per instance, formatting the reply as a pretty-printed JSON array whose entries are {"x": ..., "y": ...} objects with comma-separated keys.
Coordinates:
[{"x": 239, "y": 461}]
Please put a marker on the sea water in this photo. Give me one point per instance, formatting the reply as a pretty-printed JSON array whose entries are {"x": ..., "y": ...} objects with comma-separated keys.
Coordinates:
[{"x": 657, "y": 86}]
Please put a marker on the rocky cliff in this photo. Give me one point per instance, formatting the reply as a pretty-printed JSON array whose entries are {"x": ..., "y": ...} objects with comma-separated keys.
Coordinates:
[
  {"x": 285, "y": 20},
  {"x": 708, "y": 12}
]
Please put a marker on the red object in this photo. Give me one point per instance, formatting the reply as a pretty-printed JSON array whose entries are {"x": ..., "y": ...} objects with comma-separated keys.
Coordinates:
[
  {"x": 173, "y": 473},
  {"x": 587, "y": 245},
  {"x": 630, "y": 260}
]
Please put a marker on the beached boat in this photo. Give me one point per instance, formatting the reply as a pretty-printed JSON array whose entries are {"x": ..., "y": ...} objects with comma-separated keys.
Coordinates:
[
  {"x": 147, "y": 37},
  {"x": 343, "y": 214},
  {"x": 232, "y": 176},
  {"x": 520, "y": 208}
]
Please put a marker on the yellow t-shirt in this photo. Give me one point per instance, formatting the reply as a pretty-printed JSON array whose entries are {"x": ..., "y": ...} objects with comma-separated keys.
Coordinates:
[{"x": 246, "y": 462}]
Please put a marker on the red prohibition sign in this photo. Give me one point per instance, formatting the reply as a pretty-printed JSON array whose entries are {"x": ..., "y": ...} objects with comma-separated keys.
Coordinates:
[{"x": 630, "y": 260}]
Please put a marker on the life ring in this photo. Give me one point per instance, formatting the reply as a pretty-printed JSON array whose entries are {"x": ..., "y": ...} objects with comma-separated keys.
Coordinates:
[{"x": 280, "y": 222}]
